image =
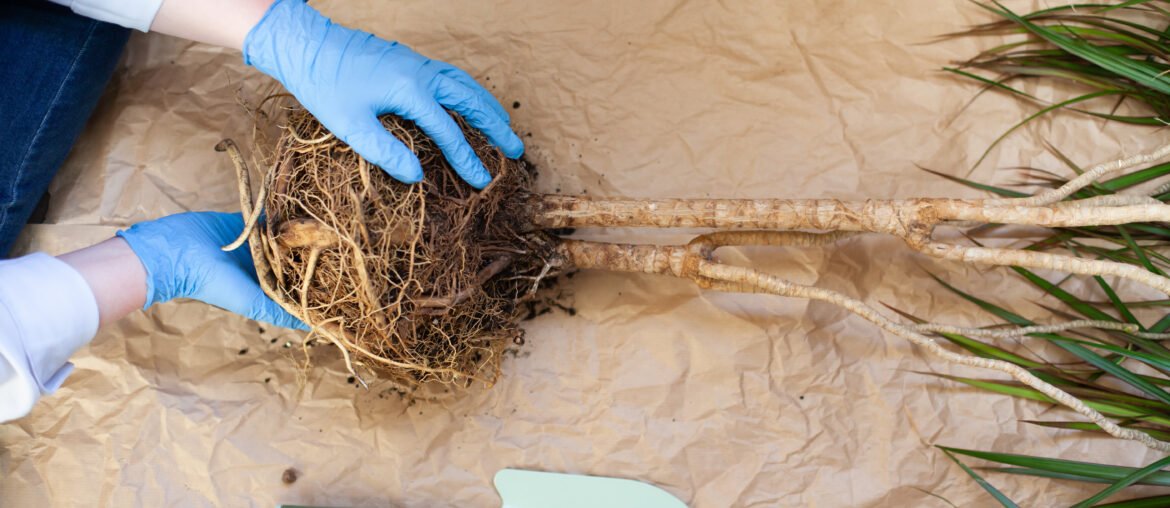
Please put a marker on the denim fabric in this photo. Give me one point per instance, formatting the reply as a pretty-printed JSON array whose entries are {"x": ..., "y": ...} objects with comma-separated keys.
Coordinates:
[{"x": 53, "y": 67}]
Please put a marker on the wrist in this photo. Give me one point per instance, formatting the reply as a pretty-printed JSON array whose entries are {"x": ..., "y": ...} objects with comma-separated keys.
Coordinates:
[
  {"x": 115, "y": 275},
  {"x": 281, "y": 38},
  {"x": 217, "y": 22},
  {"x": 151, "y": 247}
]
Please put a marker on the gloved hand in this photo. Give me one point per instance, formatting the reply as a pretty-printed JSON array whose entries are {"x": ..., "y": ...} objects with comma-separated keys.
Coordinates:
[
  {"x": 346, "y": 78},
  {"x": 183, "y": 259}
]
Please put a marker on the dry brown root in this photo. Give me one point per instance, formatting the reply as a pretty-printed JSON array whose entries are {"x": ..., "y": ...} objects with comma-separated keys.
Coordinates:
[{"x": 420, "y": 280}]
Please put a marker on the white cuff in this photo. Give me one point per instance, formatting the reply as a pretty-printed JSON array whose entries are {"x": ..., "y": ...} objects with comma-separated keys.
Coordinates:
[
  {"x": 47, "y": 312},
  {"x": 136, "y": 14}
]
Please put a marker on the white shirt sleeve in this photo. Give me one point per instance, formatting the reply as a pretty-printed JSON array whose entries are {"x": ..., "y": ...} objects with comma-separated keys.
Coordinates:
[
  {"x": 47, "y": 312},
  {"x": 136, "y": 14}
]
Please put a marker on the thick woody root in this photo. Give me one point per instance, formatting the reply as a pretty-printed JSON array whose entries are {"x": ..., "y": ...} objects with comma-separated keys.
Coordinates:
[
  {"x": 911, "y": 220},
  {"x": 421, "y": 282}
]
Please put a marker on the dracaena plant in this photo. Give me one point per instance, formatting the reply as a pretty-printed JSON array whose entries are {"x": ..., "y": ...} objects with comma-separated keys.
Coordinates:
[{"x": 1108, "y": 55}]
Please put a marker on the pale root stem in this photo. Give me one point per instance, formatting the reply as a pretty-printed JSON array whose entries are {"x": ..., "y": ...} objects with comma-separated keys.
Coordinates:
[
  {"x": 1065, "y": 215},
  {"x": 1108, "y": 200},
  {"x": 1044, "y": 260},
  {"x": 1083, "y": 180},
  {"x": 899, "y": 217},
  {"x": 1162, "y": 189},
  {"x": 688, "y": 262},
  {"x": 775, "y": 285},
  {"x": 771, "y": 238},
  {"x": 879, "y": 216},
  {"x": 1011, "y": 333}
]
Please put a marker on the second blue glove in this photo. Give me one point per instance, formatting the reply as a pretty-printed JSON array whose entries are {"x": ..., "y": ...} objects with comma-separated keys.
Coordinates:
[
  {"x": 346, "y": 78},
  {"x": 182, "y": 257}
]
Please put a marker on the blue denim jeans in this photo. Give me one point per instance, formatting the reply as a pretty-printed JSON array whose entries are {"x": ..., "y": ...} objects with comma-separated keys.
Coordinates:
[{"x": 53, "y": 67}]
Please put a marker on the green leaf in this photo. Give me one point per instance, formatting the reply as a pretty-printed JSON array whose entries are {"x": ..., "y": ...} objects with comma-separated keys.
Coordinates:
[
  {"x": 1067, "y": 467},
  {"x": 975, "y": 346},
  {"x": 1122, "y": 310},
  {"x": 1076, "y": 168},
  {"x": 998, "y": 311},
  {"x": 932, "y": 494},
  {"x": 1161, "y": 325},
  {"x": 988, "y": 351},
  {"x": 1107, "y": 32},
  {"x": 1014, "y": 390},
  {"x": 1151, "y": 229},
  {"x": 1116, "y": 370},
  {"x": 1152, "y": 38},
  {"x": 988, "y": 188},
  {"x": 1083, "y": 78},
  {"x": 997, "y": 84},
  {"x": 1139, "y": 252},
  {"x": 1044, "y": 474},
  {"x": 1072, "y": 301},
  {"x": 1091, "y": 427},
  {"x": 1136, "y": 70},
  {"x": 1131, "y": 179},
  {"x": 1143, "y": 407},
  {"x": 1130, "y": 479},
  {"x": 1041, "y": 113},
  {"x": 1145, "y": 502},
  {"x": 1152, "y": 121},
  {"x": 1153, "y": 360},
  {"x": 1109, "y": 404},
  {"x": 1112, "y": 408},
  {"x": 1003, "y": 500},
  {"x": 1083, "y": 44},
  {"x": 1122, "y": 5},
  {"x": 1082, "y": 307}
]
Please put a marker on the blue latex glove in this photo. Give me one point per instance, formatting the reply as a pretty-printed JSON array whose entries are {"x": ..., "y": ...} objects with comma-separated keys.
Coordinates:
[
  {"x": 346, "y": 78},
  {"x": 183, "y": 259}
]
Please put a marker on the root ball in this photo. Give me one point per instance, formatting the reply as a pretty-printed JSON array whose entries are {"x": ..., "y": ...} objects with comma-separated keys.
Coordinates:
[{"x": 424, "y": 281}]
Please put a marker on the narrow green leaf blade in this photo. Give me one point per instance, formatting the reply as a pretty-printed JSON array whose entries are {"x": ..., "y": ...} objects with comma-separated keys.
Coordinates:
[
  {"x": 1132, "y": 478},
  {"x": 1091, "y": 427},
  {"x": 1116, "y": 370},
  {"x": 1071, "y": 467},
  {"x": 1003, "y": 500},
  {"x": 1145, "y": 502},
  {"x": 1136, "y": 70}
]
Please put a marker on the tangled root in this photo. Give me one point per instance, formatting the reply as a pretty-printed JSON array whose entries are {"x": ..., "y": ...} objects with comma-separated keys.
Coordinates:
[{"x": 422, "y": 281}]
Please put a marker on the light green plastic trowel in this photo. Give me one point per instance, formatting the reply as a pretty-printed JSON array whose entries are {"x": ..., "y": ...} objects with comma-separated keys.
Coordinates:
[{"x": 536, "y": 489}]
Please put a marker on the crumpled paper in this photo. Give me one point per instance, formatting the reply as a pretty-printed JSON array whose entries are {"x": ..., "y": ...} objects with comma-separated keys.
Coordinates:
[{"x": 722, "y": 400}]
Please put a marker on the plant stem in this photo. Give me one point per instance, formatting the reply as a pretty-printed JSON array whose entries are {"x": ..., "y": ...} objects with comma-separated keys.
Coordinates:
[{"x": 894, "y": 216}]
